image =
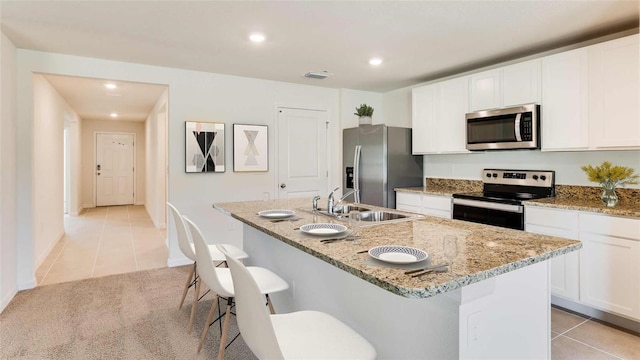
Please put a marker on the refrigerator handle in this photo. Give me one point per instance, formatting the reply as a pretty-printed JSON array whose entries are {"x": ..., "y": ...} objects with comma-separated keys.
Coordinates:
[{"x": 356, "y": 174}]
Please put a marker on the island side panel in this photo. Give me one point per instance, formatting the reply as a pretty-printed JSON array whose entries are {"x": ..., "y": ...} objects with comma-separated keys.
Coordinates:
[
  {"x": 507, "y": 316},
  {"x": 398, "y": 327}
]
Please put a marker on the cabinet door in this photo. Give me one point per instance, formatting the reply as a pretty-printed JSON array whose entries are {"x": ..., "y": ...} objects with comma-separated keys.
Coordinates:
[
  {"x": 486, "y": 90},
  {"x": 423, "y": 120},
  {"x": 614, "y": 106},
  {"x": 565, "y": 269},
  {"x": 521, "y": 83},
  {"x": 436, "y": 205},
  {"x": 564, "y": 101},
  {"x": 453, "y": 104},
  {"x": 609, "y": 274},
  {"x": 408, "y": 202}
]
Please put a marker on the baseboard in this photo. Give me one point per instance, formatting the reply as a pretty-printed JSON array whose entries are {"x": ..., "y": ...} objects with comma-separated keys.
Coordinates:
[
  {"x": 88, "y": 206},
  {"x": 181, "y": 261},
  {"x": 138, "y": 203},
  {"x": 28, "y": 285},
  {"x": 607, "y": 317},
  {"x": 44, "y": 255},
  {"x": 7, "y": 299}
]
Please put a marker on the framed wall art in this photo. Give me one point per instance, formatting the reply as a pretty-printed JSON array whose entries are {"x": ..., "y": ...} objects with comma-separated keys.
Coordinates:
[
  {"x": 204, "y": 146},
  {"x": 250, "y": 148}
]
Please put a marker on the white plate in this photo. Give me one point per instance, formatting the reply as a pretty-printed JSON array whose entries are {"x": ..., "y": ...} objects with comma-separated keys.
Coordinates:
[
  {"x": 397, "y": 254},
  {"x": 276, "y": 213},
  {"x": 323, "y": 229}
]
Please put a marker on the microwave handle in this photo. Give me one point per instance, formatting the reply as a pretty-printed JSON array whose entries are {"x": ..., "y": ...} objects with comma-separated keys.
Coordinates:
[{"x": 517, "y": 127}]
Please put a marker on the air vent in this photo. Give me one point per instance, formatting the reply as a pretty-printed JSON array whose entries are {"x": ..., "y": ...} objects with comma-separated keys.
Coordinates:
[{"x": 317, "y": 75}]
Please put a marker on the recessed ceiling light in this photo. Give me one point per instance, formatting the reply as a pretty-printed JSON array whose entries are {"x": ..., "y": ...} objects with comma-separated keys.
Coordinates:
[
  {"x": 375, "y": 61},
  {"x": 256, "y": 37},
  {"x": 114, "y": 115},
  {"x": 110, "y": 86}
]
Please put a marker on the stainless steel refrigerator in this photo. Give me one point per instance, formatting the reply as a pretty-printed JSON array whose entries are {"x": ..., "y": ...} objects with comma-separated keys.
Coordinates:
[{"x": 377, "y": 159}]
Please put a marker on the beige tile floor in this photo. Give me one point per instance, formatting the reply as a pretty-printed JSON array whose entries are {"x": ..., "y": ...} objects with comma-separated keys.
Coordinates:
[
  {"x": 104, "y": 241},
  {"x": 119, "y": 239},
  {"x": 577, "y": 337}
]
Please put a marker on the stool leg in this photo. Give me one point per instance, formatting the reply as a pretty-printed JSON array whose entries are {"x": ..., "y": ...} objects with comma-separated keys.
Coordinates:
[
  {"x": 207, "y": 325},
  {"x": 223, "y": 337},
  {"x": 187, "y": 285},
  {"x": 271, "y": 309},
  {"x": 194, "y": 305}
]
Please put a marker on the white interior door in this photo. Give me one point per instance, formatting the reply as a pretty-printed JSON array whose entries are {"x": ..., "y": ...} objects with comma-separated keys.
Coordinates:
[
  {"x": 114, "y": 169},
  {"x": 302, "y": 152}
]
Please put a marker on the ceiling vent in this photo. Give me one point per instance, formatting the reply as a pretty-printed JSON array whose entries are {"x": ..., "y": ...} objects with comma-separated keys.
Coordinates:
[{"x": 317, "y": 75}]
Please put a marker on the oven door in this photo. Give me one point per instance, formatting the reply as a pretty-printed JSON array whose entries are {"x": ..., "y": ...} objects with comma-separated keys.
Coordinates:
[{"x": 490, "y": 213}]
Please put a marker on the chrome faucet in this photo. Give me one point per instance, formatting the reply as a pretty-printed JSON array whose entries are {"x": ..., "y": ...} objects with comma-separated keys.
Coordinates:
[
  {"x": 355, "y": 199},
  {"x": 330, "y": 201},
  {"x": 314, "y": 203}
]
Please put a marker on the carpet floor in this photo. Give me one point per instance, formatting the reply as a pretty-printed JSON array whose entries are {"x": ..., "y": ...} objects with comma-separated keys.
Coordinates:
[{"x": 126, "y": 316}]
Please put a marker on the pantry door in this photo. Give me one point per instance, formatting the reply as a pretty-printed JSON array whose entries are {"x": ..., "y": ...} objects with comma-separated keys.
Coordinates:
[
  {"x": 114, "y": 169},
  {"x": 302, "y": 153}
]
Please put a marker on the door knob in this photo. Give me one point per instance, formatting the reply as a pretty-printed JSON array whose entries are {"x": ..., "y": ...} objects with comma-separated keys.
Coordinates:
[{"x": 283, "y": 185}]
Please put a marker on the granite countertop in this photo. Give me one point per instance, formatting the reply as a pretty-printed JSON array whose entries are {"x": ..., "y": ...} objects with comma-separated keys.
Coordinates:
[
  {"x": 570, "y": 197},
  {"x": 483, "y": 251}
]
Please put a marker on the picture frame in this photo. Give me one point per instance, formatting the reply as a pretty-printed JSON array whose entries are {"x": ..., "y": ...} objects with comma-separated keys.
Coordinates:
[
  {"x": 204, "y": 147},
  {"x": 250, "y": 148}
]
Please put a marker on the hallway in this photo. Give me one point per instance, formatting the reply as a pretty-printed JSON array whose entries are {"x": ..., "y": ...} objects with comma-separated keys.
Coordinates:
[{"x": 104, "y": 241}]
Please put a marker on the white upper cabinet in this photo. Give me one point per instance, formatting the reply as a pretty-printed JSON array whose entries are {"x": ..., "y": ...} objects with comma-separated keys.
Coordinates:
[
  {"x": 590, "y": 97},
  {"x": 438, "y": 120},
  {"x": 614, "y": 109},
  {"x": 521, "y": 83},
  {"x": 565, "y": 99},
  {"x": 486, "y": 90},
  {"x": 511, "y": 85},
  {"x": 423, "y": 119}
]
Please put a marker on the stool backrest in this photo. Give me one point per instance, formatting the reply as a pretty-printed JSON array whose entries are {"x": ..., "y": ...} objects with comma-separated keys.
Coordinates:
[
  {"x": 183, "y": 234},
  {"x": 206, "y": 268},
  {"x": 253, "y": 317}
]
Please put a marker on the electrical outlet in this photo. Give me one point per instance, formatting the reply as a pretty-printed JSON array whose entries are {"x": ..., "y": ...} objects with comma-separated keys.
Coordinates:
[{"x": 475, "y": 328}]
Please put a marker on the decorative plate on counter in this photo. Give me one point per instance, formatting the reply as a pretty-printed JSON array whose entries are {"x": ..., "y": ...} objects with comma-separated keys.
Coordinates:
[
  {"x": 276, "y": 213},
  {"x": 323, "y": 229},
  {"x": 397, "y": 254}
]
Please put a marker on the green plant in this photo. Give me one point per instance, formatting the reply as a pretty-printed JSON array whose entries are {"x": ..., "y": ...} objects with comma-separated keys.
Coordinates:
[
  {"x": 364, "y": 110},
  {"x": 608, "y": 174}
]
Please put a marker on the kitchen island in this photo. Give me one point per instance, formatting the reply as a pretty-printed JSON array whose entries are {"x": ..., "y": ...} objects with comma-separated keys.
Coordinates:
[{"x": 492, "y": 303}]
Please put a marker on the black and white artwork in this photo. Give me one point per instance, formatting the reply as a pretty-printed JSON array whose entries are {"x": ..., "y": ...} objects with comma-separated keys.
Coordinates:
[
  {"x": 204, "y": 147},
  {"x": 250, "y": 148}
]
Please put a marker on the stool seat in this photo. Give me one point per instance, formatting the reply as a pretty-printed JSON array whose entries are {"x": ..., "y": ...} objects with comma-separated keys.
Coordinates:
[
  {"x": 316, "y": 335},
  {"x": 217, "y": 256}
]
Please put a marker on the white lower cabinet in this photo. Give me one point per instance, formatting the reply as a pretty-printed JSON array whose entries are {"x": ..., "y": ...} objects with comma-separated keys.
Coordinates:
[
  {"x": 605, "y": 273},
  {"x": 565, "y": 269},
  {"x": 432, "y": 205},
  {"x": 610, "y": 264}
]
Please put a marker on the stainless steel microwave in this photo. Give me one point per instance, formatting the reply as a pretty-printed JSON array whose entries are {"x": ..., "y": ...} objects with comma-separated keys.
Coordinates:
[{"x": 501, "y": 129}]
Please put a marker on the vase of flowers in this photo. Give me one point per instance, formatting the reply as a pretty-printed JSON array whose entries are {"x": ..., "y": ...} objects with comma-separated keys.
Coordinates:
[{"x": 611, "y": 176}]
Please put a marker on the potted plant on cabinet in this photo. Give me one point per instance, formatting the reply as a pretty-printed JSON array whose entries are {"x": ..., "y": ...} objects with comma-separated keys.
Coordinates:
[{"x": 364, "y": 113}]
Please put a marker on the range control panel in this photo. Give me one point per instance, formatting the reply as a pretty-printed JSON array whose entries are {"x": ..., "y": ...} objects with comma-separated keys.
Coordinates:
[{"x": 542, "y": 178}]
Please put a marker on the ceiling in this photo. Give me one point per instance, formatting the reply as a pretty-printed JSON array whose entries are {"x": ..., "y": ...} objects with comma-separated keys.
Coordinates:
[{"x": 418, "y": 40}]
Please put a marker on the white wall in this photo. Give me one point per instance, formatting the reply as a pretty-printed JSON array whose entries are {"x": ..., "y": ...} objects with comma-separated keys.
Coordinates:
[
  {"x": 89, "y": 129},
  {"x": 566, "y": 164},
  {"x": 192, "y": 96},
  {"x": 74, "y": 138},
  {"x": 156, "y": 161},
  {"x": 397, "y": 107},
  {"x": 49, "y": 112},
  {"x": 8, "y": 228},
  {"x": 351, "y": 99}
]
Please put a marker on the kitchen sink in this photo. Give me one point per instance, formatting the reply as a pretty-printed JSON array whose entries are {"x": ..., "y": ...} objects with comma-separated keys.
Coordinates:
[
  {"x": 379, "y": 216},
  {"x": 346, "y": 209}
]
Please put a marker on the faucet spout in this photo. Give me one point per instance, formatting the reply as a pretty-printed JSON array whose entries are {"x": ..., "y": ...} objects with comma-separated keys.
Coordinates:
[
  {"x": 330, "y": 201},
  {"x": 349, "y": 193}
]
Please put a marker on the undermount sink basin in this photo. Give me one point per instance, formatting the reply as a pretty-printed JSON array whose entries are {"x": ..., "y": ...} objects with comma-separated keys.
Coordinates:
[
  {"x": 378, "y": 216},
  {"x": 346, "y": 209}
]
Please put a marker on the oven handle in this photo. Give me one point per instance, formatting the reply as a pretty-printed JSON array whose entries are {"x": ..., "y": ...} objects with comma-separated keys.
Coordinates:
[{"x": 490, "y": 205}]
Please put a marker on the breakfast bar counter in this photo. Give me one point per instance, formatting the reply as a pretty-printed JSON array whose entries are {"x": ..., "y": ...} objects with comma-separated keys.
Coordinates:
[{"x": 492, "y": 302}]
